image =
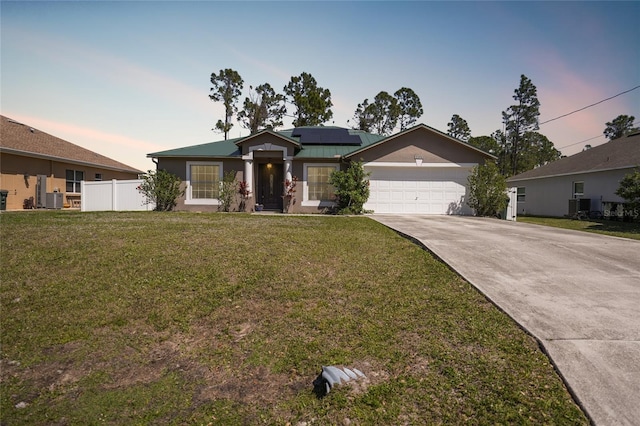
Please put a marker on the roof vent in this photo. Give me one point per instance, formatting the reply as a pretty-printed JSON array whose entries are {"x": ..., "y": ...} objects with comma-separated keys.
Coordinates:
[{"x": 31, "y": 129}]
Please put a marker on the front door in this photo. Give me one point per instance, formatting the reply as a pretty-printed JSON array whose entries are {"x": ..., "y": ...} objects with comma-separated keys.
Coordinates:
[{"x": 270, "y": 186}]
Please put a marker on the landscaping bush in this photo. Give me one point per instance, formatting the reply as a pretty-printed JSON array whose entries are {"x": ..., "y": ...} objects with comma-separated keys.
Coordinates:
[
  {"x": 163, "y": 188},
  {"x": 351, "y": 188}
]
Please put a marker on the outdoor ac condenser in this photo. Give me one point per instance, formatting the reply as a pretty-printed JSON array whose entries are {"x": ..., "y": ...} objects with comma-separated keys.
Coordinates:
[{"x": 54, "y": 200}]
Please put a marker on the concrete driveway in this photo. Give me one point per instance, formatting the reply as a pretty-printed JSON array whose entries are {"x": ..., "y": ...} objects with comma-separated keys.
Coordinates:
[{"x": 577, "y": 293}]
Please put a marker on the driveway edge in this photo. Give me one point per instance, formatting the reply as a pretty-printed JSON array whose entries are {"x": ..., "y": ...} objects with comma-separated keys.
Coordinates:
[{"x": 539, "y": 341}]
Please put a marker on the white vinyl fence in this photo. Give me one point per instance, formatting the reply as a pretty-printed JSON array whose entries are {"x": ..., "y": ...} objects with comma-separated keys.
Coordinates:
[{"x": 114, "y": 195}]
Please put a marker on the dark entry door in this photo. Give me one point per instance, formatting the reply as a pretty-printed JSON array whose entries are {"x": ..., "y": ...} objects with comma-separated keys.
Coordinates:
[{"x": 270, "y": 186}]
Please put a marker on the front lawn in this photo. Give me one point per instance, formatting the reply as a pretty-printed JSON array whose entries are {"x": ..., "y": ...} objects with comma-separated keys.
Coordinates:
[
  {"x": 614, "y": 228},
  {"x": 179, "y": 318}
]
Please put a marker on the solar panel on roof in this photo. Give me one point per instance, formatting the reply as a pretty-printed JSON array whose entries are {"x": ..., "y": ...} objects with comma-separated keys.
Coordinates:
[{"x": 325, "y": 136}]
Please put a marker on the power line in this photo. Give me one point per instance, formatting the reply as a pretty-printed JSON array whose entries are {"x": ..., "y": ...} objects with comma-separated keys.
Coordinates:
[
  {"x": 589, "y": 106},
  {"x": 576, "y": 143}
]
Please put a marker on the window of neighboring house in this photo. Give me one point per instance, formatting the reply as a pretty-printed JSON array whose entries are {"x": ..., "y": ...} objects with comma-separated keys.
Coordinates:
[
  {"x": 203, "y": 182},
  {"x": 578, "y": 189},
  {"x": 74, "y": 177},
  {"x": 98, "y": 177},
  {"x": 521, "y": 194},
  {"x": 317, "y": 189}
]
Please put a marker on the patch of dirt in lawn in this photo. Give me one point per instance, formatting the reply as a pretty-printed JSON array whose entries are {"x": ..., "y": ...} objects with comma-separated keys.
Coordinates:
[{"x": 137, "y": 355}]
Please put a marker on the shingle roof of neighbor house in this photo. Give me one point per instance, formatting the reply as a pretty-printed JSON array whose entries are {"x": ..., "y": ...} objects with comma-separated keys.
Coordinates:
[
  {"x": 318, "y": 149},
  {"x": 21, "y": 139},
  {"x": 622, "y": 153}
]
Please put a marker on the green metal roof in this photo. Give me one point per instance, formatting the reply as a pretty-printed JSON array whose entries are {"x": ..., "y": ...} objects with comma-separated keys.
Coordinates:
[
  {"x": 226, "y": 148},
  {"x": 229, "y": 148}
]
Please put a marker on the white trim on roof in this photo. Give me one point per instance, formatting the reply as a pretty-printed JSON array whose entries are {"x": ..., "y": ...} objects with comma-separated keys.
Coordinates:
[
  {"x": 245, "y": 139},
  {"x": 415, "y": 164}
]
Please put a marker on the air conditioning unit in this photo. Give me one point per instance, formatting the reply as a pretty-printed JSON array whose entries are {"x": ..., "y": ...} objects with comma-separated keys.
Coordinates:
[{"x": 54, "y": 200}]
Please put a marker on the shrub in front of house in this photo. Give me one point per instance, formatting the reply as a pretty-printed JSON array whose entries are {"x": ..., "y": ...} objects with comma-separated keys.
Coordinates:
[{"x": 163, "y": 188}]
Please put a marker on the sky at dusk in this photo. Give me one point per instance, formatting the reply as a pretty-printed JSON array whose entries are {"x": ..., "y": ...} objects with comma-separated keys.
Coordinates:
[{"x": 125, "y": 79}]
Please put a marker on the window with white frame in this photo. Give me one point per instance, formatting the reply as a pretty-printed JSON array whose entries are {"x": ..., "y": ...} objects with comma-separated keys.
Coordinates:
[
  {"x": 578, "y": 189},
  {"x": 317, "y": 188},
  {"x": 521, "y": 194},
  {"x": 98, "y": 177},
  {"x": 204, "y": 182},
  {"x": 73, "y": 178}
]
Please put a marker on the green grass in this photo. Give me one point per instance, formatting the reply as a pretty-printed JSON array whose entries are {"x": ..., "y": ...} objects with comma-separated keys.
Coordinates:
[
  {"x": 179, "y": 318},
  {"x": 601, "y": 226}
]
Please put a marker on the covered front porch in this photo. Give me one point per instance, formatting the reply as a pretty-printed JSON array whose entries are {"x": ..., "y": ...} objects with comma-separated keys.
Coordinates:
[{"x": 267, "y": 168}]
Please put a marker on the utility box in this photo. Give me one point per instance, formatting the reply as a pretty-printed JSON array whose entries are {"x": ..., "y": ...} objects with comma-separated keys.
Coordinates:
[
  {"x": 54, "y": 200},
  {"x": 41, "y": 191}
]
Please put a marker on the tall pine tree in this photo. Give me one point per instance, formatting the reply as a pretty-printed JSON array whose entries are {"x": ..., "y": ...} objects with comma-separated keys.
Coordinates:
[
  {"x": 459, "y": 128},
  {"x": 313, "y": 103},
  {"x": 519, "y": 119},
  {"x": 262, "y": 109},
  {"x": 227, "y": 86}
]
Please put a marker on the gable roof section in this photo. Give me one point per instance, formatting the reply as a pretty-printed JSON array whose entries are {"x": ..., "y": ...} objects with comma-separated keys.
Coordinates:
[
  {"x": 20, "y": 139},
  {"x": 620, "y": 153},
  {"x": 280, "y": 135},
  {"x": 413, "y": 129}
]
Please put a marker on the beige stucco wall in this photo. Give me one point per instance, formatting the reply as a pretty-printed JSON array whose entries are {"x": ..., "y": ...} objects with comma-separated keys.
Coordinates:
[
  {"x": 18, "y": 175},
  {"x": 430, "y": 146},
  {"x": 550, "y": 196},
  {"x": 178, "y": 167}
]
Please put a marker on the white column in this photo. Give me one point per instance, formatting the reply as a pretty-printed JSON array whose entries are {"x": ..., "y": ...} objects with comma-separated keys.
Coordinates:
[
  {"x": 248, "y": 172},
  {"x": 287, "y": 168}
]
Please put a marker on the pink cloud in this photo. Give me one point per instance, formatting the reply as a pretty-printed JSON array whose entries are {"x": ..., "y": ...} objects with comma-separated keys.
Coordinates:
[{"x": 562, "y": 90}]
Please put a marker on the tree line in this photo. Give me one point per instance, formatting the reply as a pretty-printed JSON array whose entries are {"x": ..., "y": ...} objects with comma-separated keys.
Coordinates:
[
  {"x": 264, "y": 108},
  {"x": 518, "y": 146}
]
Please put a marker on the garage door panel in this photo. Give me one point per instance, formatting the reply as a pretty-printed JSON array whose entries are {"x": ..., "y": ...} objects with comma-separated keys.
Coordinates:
[{"x": 417, "y": 190}]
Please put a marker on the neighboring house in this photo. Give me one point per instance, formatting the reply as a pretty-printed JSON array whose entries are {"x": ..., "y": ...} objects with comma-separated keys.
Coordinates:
[
  {"x": 585, "y": 181},
  {"x": 419, "y": 170},
  {"x": 34, "y": 164}
]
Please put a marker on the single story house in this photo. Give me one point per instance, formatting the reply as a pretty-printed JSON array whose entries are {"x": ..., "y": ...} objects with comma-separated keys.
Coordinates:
[
  {"x": 420, "y": 170},
  {"x": 586, "y": 181},
  {"x": 41, "y": 170}
]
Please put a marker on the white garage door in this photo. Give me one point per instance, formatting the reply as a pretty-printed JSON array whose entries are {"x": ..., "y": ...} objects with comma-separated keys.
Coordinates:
[{"x": 418, "y": 190}]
